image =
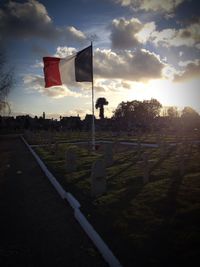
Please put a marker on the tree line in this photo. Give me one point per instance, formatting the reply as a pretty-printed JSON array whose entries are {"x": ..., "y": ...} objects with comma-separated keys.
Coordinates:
[{"x": 146, "y": 115}]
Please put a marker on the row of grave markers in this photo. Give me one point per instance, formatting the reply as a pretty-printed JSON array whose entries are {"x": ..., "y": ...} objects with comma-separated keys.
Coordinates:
[{"x": 98, "y": 170}]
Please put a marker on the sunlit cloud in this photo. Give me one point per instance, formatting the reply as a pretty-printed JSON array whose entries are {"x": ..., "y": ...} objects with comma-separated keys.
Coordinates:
[
  {"x": 169, "y": 72},
  {"x": 128, "y": 34},
  {"x": 36, "y": 83},
  {"x": 145, "y": 33},
  {"x": 151, "y": 5},
  {"x": 74, "y": 33},
  {"x": 188, "y": 36},
  {"x": 64, "y": 51},
  {"x": 112, "y": 70}
]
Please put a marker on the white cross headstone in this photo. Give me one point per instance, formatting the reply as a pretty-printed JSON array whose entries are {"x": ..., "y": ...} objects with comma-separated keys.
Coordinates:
[
  {"x": 158, "y": 139},
  {"x": 163, "y": 148},
  {"x": 116, "y": 145},
  {"x": 71, "y": 160},
  {"x": 139, "y": 149},
  {"x": 55, "y": 149},
  {"x": 108, "y": 154},
  {"x": 89, "y": 147},
  {"x": 146, "y": 168},
  {"x": 183, "y": 160},
  {"x": 49, "y": 141},
  {"x": 98, "y": 178}
]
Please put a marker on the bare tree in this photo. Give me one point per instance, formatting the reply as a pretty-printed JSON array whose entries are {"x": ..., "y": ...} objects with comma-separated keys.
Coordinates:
[{"x": 6, "y": 82}]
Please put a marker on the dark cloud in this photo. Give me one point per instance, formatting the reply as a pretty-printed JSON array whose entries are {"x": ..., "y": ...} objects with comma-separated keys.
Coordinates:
[
  {"x": 191, "y": 70},
  {"x": 133, "y": 66},
  {"x": 123, "y": 33},
  {"x": 39, "y": 50},
  {"x": 24, "y": 20},
  {"x": 130, "y": 34},
  {"x": 185, "y": 34},
  {"x": 31, "y": 19}
]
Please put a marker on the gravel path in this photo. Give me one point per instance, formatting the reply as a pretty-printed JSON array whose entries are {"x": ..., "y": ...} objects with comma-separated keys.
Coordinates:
[{"x": 37, "y": 227}]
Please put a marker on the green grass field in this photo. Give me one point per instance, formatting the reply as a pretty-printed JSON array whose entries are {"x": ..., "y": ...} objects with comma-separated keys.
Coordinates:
[{"x": 155, "y": 223}]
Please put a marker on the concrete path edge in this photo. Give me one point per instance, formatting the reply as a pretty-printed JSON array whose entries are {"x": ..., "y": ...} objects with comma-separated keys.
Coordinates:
[{"x": 102, "y": 247}]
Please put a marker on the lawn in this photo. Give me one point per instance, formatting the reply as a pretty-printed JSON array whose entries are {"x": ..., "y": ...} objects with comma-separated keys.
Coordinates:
[{"x": 156, "y": 223}]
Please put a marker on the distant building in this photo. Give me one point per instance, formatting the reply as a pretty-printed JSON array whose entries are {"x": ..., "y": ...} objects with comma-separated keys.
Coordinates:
[
  {"x": 87, "y": 122},
  {"x": 71, "y": 123}
]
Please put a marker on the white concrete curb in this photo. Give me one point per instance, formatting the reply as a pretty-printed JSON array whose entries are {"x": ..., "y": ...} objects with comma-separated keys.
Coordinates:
[
  {"x": 72, "y": 201},
  {"x": 50, "y": 176},
  {"x": 104, "y": 142},
  {"x": 87, "y": 227},
  {"x": 99, "y": 243}
]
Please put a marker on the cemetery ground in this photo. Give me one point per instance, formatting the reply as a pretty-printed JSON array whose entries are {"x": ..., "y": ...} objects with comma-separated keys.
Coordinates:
[
  {"x": 37, "y": 227},
  {"x": 149, "y": 212}
]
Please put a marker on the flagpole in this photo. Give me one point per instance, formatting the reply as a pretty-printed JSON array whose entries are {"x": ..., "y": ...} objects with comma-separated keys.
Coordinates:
[{"x": 93, "y": 125}]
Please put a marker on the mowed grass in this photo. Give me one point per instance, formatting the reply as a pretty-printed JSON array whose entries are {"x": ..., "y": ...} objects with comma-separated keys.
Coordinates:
[{"x": 155, "y": 223}]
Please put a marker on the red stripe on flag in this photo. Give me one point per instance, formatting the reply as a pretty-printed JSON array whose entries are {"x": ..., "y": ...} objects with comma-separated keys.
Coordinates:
[{"x": 51, "y": 71}]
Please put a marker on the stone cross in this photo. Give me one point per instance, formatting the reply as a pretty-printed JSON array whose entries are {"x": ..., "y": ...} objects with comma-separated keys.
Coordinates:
[
  {"x": 71, "y": 160},
  {"x": 108, "y": 154},
  {"x": 55, "y": 149},
  {"x": 146, "y": 168},
  {"x": 49, "y": 141},
  {"x": 183, "y": 157},
  {"x": 116, "y": 146},
  {"x": 163, "y": 148},
  {"x": 98, "y": 178},
  {"x": 158, "y": 139},
  {"x": 89, "y": 147},
  {"x": 181, "y": 165},
  {"x": 189, "y": 149},
  {"x": 31, "y": 137},
  {"x": 28, "y": 135},
  {"x": 138, "y": 149}
]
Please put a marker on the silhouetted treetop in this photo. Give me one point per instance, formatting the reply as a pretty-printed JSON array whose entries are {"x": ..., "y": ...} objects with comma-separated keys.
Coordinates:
[
  {"x": 137, "y": 112},
  {"x": 138, "y": 109},
  {"x": 100, "y": 103}
]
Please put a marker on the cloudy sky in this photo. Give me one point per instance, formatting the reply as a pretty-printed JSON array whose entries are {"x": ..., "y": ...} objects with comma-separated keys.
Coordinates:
[{"x": 142, "y": 49}]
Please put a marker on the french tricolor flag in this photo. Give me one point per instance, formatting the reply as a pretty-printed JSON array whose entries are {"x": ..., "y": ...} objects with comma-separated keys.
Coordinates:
[{"x": 78, "y": 66}]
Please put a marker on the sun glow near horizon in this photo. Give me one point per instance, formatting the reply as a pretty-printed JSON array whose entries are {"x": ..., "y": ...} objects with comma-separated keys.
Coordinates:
[
  {"x": 137, "y": 55},
  {"x": 168, "y": 93}
]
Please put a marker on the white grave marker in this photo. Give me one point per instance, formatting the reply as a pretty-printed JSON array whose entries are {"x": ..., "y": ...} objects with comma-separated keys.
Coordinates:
[
  {"x": 108, "y": 154},
  {"x": 98, "y": 178},
  {"x": 146, "y": 168},
  {"x": 139, "y": 149},
  {"x": 71, "y": 160}
]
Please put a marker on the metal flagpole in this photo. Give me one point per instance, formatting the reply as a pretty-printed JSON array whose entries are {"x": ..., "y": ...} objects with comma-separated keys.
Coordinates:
[{"x": 93, "y": 125}]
